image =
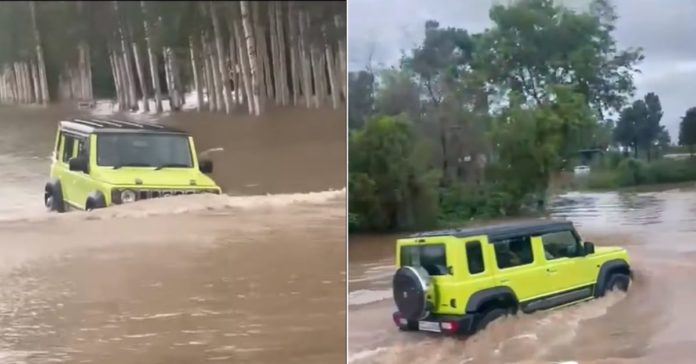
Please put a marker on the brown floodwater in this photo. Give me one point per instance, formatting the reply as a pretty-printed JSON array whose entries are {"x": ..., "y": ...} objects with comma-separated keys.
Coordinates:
[
  {"x": 256, "y": 275},
  {"x": 651, "y": 323}
]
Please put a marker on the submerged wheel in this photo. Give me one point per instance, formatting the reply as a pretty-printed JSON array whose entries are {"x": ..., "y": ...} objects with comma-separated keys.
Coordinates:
[
  {"x": 53, "y": 198},
  {"x": 410, "y": 286},
  {"x": 490, "y": 316},
  {"x": 618, "y": 281}
]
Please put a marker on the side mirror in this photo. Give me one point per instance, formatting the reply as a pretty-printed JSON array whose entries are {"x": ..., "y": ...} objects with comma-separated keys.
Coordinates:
[
  {"x": 588, "y": 248},
  {"x": 79, "y": 164},
  {"x": 206, "y": 166}
]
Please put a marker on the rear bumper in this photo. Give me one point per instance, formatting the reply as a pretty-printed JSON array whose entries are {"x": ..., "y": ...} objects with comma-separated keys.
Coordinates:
[{"x": 442, "y": 324}]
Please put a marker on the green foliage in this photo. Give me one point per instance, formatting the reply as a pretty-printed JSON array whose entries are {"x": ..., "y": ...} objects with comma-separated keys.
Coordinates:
[
  {"x": 502, "y": 110},
  {"x": 687, "y": 129},
  {"x": 631, "y": 172},
  {"x": 361, "y": 99},
  {"x": 639, "y": 125},
  {"x": 391, "y": 186}
]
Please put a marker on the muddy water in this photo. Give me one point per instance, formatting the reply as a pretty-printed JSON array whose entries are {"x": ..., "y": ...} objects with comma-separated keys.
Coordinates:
[
  {"x": 652, "y": 323},
  {"x": 192, "y": 279}
]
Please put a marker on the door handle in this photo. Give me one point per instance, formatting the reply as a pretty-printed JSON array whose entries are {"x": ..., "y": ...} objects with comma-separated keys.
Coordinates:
[
  {"x": 551, "y": 270},
  {"x": 504, "y": 280}
]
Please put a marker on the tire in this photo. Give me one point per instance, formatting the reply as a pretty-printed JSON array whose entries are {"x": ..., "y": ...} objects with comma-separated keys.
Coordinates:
[
  {"x": 490, "y": 316},
  {"x": 618, "y": 281},
  {"x": 410, "y": 286},
  {"x": 53, "y": 198}
]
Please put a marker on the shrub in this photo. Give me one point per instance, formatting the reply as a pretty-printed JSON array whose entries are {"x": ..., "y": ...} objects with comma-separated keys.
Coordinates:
[{"x": 631, "y": 172}]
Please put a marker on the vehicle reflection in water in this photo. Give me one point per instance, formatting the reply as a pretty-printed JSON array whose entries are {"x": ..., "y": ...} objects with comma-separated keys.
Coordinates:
[
  {"x": 186, "y": 279},
  {"x": 651, "y": 323}
]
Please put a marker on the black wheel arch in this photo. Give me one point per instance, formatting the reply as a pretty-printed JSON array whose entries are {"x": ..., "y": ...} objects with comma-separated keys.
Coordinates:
[
  {"x": 500, "y": 296},
  {"x": 96, "y": 199},
  {"x": 606, "y": 270}
]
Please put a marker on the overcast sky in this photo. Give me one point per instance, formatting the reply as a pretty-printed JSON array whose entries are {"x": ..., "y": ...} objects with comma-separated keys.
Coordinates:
[{"x": 664, "y": 28}]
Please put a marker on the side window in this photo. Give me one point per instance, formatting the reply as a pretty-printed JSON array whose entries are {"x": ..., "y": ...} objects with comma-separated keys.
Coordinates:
[
  {"x": 474, "y": 257},
  {"x": 560, "y": 244},
  {"x": 73, "y": 146},
  {"x": 68, "y": 147},
  {"x": 513, "y": 252}
]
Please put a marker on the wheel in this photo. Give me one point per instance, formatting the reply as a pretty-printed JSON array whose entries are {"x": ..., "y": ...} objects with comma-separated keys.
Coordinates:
[
  {"x": 53, "y": 198},
  {"x": 618, "y": 281},
  {"x": 492, "y": 315}
]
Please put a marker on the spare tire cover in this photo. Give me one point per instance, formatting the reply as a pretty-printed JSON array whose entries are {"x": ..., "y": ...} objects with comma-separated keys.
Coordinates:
[{"x": 410, "y": 289}]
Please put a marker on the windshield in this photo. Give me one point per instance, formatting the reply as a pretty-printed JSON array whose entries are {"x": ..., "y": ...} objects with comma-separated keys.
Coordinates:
[
  {"x": 431, "y": 257},
  {"x": 145, "y": 150}
]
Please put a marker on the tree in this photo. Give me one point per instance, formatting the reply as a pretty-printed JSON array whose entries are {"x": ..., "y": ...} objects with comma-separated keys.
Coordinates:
[
  {"x": 536, "y": 44},
  {"x": 361, "y": 100},
  {"x": 687, "y": 130},
  {"x": 391, "y": 185},
  {"x": 639, "y": 124}
]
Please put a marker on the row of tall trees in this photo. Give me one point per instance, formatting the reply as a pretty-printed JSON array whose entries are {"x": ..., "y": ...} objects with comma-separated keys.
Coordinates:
[
  {"x": 470, "y": 125},
  {"x": 237, "y": 55}
]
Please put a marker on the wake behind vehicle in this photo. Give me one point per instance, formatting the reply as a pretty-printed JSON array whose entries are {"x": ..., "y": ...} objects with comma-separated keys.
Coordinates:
[
  {"x": 458, "y": 281},
  {"x": 99, "y": 162}
]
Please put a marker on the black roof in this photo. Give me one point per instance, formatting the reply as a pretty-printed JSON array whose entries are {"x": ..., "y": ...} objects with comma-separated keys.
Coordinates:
[
  {"x": 503, "y": 231},
  {"x": 102, "y": 125}
]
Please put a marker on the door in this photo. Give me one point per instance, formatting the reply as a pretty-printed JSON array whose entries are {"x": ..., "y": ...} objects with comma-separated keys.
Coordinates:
[
  {"x": 518, "y": 267},
  {"x": 565, "y": 261},
  {"x": 75, "y": 184}
]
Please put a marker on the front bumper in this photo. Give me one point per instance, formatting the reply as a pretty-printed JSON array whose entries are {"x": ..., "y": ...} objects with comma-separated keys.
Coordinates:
[
  {"x": 150, "y": 193},
  {"x": 442, "y": 324}
]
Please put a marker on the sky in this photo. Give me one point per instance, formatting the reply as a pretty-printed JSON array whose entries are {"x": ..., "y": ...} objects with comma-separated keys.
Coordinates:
[{"x": 380, "y": 29}]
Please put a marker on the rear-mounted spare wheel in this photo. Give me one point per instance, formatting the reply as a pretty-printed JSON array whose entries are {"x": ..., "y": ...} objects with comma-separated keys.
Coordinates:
[{"x": 410, "y": 290}]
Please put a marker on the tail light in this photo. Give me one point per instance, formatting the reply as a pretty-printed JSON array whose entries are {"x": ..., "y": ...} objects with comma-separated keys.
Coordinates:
[
  {"x": 449, "y": 326},
  {"x": 398, "y": 320}
]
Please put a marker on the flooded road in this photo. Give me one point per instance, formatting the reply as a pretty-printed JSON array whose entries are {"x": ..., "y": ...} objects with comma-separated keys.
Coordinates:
[
  {"x": 652, "y": 323},
  {"x": 236, "y": 278}
]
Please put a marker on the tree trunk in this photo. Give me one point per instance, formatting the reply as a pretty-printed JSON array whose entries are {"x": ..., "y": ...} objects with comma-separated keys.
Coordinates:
[
  {"x": 331, "y": 68},
  {"x": 275, "y": 51},
  {"x": 292, "y": 45},
  {"x": 342, "y": 71},
  {"x": 220, "y": 52},
  {"x": 315, "y": 59},
  {"x": 35, "y": 82},
  {"x": 280, "y": 26},
  {"x": 212, "y": 104},
  {"x": 251, "y": 50},
  {"x": 215, "y": 71},
  {"x": 141, "y": 72},
  {"x": 169, "y": 78},
  {"x": 238, "y": 95},
  {"x": 18, "y": 81},
  {"x": 117, "y": 79},
  {"x": 39, "y": 55},
  {"x": 152, "y": 58},
  {"x": 305, "y": 60},
  {"x": 126, "y": 64},
  {"x": 246, "y": 74},
  {"x": 176, "y": 78},
  {"x": 264, "y": 63},
  {"x": 194, "y": 69}
]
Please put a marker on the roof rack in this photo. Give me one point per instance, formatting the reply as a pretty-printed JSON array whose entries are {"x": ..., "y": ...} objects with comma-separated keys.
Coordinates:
[{"x": 99, "y": 125}]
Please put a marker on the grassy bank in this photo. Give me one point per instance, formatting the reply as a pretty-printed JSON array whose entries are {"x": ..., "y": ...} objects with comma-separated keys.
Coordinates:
[{"x": 633, "y": 172}]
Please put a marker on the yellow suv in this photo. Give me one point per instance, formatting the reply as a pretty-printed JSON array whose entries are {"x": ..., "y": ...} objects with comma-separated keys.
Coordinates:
[
  {"x": 458, "y": 281},
  {"x": 99, "y": 162}
]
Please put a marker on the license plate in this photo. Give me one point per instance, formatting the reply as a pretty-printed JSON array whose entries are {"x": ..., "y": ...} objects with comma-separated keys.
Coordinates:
[{"x": 429, "y": 326}]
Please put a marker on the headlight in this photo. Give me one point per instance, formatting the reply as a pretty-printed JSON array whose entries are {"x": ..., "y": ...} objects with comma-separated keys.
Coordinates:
[{"x": 127, "y": 196}]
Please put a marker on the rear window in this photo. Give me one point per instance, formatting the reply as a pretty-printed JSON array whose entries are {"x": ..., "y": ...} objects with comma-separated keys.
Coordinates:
[{"x": 431, "y": 257}]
